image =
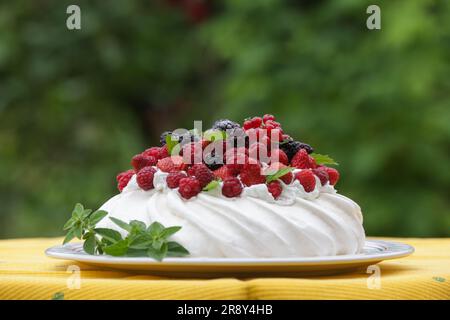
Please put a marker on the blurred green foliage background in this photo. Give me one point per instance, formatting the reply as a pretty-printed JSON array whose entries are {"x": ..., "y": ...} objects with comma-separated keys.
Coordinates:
[{"x": 76, "y": 105}]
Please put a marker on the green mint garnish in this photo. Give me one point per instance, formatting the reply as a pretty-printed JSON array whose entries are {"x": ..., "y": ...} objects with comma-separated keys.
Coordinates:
[
  {"x": 170, "y": 143},
  {"x": 141, "y": 241},
  {"x": 323, "y": 159},
  {"x": 58, "y": 296},
  {"x": 277, "y": 175},
  {"x": 211, "y": 186}
]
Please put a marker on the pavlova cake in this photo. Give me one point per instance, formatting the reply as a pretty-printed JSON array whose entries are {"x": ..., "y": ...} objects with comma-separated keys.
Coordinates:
[{"x": 237, "y": 191}]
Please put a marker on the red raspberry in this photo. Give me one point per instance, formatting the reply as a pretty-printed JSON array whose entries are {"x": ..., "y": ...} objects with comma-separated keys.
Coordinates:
[
  {"x": 259, "y": 151},
  {"x": 235, "y": 159},
  {"x": 333, "y": 175},
  {"x": 302, "y": 160},
  {"x": 140, "y": 161},
  {"x": 189, "y": 187},
  {"x": 223, "y": 172},
  {"x": 163, "y": 152},
  {"x": 268, "y": 117},
  {"x": 279, "y": 155},
  {"x": 202, "y": 173},
  {"x": 232, "y": 187},
  {"x": 248, "y": 124},
  {"x": 322, "y": 174},
  {"x": 192, "y": 153},
  {"x": 144, "y": 178},
  {"x": 256, "y": 122},
  {"x": 275, "y": 189},
  {"x": 287, "y": 178},
  {"x": 153, "y": 151},
  {"x": 174, "y": 163},
  {"x": 251, "y": 174},
  {"x": 173, "y": 179},
  {"x": 306, "y": 179},
  {"x": 123, "y": 178}
]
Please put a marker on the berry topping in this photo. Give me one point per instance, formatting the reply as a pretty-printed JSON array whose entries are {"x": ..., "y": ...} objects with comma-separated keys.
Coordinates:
[
  {"x": 163, "y": 152},
  {"x": 333, "y": 175},
  {"x": 306, "y": 179},
  {"x": 169, "y": 164},
  {"x": 140, "y": 161},
  {"x": 173, "y": 179},
  {"x": 225, "y": 124},
  {"x": 189, "y": 187},
  {"x": 292, "y": 147},
  {"x": 322, "y": 174},
  {"x": 302, "y": 160},
  {"x": 251, "y": 174},
  {"x": 202, "y": 174},
  {"x": 223, "y": 173},
  {"x": 279, "y": 155},
  {"x": 178, "y": 138},
  {"x": 123, "y": 178},
  {"x": 232, "y": 187},
  {"x": 144, "y": 178},
  {"x": 268, "y": 117},
  {"x": 153, "y": 152},
  {"x": 275, "y": 189}
]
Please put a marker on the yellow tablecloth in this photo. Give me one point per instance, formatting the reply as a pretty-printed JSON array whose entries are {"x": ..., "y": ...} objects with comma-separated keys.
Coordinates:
[{"x": 26, "y": 273}]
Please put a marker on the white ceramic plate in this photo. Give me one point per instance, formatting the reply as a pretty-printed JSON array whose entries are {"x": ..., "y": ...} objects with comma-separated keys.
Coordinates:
[{"x": 374, "y": 251}]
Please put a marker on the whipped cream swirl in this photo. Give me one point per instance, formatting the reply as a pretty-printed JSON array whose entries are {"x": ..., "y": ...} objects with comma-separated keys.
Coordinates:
[{"x": 254, "y": 225}]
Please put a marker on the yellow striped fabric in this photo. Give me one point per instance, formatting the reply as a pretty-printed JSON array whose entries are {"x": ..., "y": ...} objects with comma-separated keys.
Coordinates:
[{"x": 26, "y": 273}]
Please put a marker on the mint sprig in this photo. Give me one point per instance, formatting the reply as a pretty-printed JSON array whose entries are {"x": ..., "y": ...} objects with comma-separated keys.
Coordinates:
[
  {"x": 277, "y": 175},
  {"x": 141, "y": 241},
  {"x": 323, "y": 159},
  {"x": 211, "y": 185}
]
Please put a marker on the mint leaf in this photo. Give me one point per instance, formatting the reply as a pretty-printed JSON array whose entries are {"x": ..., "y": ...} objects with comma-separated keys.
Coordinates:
[
  {"x": 278, "y": 174},
  {"x": 69, "y": 236},
  {"x": 211, "y": 186},
  {"x": 121, "y": 223},
  {"x": 167, "y": 232},
  {"x": 96, "y": 217},
  {"x": 174, "y": 249},
  {"x": 58, "y": 296},
  {"x": 109, "y": 234},
  {"x": 90, "y": 244},
  {"x": 119, "y": 248},
  {"x": 78, "y": 211},
  {"x": 158, "y": 254},
  {"x": 323, "y": 159},
  {"x": 137, "y": 225},
  {"x": 70, "y": 223},
  {"x": 155, "y": 228},
  {"x": 170, "y": 143}
]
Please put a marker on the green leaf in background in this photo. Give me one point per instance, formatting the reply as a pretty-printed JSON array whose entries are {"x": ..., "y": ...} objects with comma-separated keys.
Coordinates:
[
  {"x": 323, "y": 159},
  {"x": 212, "y": 185},
  {"x": 278, "y": 174}
]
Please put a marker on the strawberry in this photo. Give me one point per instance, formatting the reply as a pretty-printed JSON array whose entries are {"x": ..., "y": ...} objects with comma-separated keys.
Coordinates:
[
  {"x": 279, "y": 155},
  {"x": 223, "y": 173},
  {"x": 302, "y": 160},
  {"x": 251, "y": 174},
  {"x": 333, "y": 175},
  {"x": 268, "y": 117},
  {"x": 275, "y": 189},
  {"x": 322, "y": 174},
  {"x": 306, "y": 179},
  {"x": 174, "y": 163}
]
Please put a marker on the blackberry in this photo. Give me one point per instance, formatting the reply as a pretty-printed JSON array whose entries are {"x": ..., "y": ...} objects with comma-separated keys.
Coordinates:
[
  {"x": 224, "y": 124},
  {"x": 292, "y": 147},
  {"x": 179, "y": 138},
  {"x": 238, "y": 138},
  {"x": 211, "y": 163}
]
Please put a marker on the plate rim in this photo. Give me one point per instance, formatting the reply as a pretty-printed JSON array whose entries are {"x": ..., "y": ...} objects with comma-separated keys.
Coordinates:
[{"x": 393, "y": 250}]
